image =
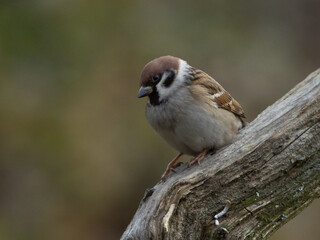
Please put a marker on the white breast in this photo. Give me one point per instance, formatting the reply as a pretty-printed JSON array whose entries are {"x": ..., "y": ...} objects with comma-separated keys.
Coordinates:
[{"x": 189, "y": 127}]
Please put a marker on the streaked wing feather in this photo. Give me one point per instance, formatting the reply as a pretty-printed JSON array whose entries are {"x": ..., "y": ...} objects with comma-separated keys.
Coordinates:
[{"x": 216, "y": 92}]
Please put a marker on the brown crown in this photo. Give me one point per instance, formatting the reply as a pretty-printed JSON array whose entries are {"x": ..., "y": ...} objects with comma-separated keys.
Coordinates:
[{"x": 158, "y": 66}]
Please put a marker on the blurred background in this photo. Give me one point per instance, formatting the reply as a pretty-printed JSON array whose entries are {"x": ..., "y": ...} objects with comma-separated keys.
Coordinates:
[{"x": 76, "y": 150}]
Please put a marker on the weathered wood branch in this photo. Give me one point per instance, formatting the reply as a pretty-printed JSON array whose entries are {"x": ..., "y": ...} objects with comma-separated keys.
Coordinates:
[{"x": 270, "y": 173}]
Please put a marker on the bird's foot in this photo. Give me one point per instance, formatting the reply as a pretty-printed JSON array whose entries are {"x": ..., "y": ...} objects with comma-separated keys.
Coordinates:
[
  {"x": 173, "y": 169},
  {"x": 171, "y": 166},
  {"x": 198, "y": 158}
]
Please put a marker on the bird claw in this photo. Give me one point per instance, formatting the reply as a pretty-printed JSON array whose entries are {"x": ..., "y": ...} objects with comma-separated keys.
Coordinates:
[
  {"x": 171, "y": 166},
  {"x": 171, "y": 169},
  {"x": 194, "y": 160},
  {"x": 198, "y": 158}
]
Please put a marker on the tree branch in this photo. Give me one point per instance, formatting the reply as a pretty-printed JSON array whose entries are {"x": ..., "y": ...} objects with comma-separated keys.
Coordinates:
[{"x": 270, "y": 173}]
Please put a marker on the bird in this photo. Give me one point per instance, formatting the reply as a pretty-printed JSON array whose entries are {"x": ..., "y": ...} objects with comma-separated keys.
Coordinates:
[{"x": 190, "y": 110}]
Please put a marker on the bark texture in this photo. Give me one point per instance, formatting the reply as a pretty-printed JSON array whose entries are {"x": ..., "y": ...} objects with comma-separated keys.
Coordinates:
[{"x": 270, "y": 173}]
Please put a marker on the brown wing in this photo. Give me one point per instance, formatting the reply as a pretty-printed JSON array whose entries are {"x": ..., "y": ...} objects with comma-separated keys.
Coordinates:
[{"x": 211, "y": 89}]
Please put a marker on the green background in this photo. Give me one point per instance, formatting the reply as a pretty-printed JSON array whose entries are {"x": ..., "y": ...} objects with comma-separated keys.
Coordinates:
[{"x": 76, "y": 150}]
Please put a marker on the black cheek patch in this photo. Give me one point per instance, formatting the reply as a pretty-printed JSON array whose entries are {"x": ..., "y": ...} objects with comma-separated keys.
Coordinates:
[
  {"x": 169, "y": 79},
  {"x": 154, "y": 97}
]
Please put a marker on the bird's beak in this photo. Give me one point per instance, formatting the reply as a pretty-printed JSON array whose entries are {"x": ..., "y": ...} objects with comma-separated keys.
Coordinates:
[{"x": 144, "y": 91}]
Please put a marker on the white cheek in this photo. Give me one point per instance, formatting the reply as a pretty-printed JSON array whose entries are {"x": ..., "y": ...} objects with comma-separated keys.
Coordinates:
[
  {"x": 162, "y": 90},
  {"x": 165, "y": 92}
]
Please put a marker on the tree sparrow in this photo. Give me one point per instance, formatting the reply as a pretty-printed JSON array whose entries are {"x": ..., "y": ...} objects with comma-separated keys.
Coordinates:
[{"x": 189, "y": 109}]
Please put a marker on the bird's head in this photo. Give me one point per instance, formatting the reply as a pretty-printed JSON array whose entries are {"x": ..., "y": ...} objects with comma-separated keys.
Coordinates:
[{"x": 160, "y": 78}]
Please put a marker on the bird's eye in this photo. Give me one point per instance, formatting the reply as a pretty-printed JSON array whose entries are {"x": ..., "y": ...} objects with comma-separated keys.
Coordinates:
[{"x": 155, "y": 77}]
